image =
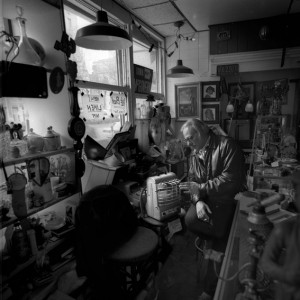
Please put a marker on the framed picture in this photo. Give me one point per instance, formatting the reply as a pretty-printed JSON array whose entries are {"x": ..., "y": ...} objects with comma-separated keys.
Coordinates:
[
  {"x": 241, "y": 94},
  {"x": 210, "y": 91},
  {"x": 210, "y": 113},
  {"x": 268, "y": 89},
  {"x": 187, "y": 100}
]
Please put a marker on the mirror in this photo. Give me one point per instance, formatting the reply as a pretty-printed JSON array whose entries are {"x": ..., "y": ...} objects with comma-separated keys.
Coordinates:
[{"x": 38, "y": 170}]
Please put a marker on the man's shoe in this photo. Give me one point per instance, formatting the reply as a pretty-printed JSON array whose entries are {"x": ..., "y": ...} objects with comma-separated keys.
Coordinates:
[{"x": 204, "y": 296}]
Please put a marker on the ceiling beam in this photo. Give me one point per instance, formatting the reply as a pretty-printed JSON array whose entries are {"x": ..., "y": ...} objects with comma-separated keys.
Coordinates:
[
  {"x": 150, "y": 5},
  {"x": 181, "y": 13}
]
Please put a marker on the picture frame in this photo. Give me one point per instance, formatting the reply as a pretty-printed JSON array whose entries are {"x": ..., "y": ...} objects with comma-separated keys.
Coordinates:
[
  {"x": 210, "y": 91},
  {"x": 187, "y": 101},
  {"x": 266, "y": 89},
  {"x": 211, "y": 113},
  {"x": 240, "y": 100}
]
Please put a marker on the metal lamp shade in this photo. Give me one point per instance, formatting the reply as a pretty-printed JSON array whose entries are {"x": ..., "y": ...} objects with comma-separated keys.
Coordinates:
[
  {"x": 102, "y": 35},
  {"x": 229, "y": 108},
  {"x": 179, "y": 71},
  {"x": 249, "y": 107}
]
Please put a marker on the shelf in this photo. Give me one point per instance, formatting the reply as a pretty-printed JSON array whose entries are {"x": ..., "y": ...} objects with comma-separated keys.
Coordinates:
[
  {"x": 28, "y": 156},
  {"x": 34, "y": 210},
  {"x": 272, "y": 177},
  {"x": 31, "y": 260}
]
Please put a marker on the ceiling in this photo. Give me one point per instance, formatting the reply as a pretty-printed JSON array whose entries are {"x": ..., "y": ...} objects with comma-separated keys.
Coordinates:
[{"x": 199, "y": 14}]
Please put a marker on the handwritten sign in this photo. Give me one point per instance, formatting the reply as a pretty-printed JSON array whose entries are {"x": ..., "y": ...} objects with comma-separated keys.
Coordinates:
[
  {"x": 118, "y": 103},
  {"x": 223, "y": 70},
  {"x": 92, "y": 106},
  {"x": 143, "y": 79}
]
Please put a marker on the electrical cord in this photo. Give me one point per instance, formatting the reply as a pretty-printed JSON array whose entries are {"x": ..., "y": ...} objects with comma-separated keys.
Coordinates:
[
  {"x": 10, "y": 38},
  {"x": 238, "y": 272},
  {"x": 234, "y": 275},
  {"x": 197, "y": 247}
]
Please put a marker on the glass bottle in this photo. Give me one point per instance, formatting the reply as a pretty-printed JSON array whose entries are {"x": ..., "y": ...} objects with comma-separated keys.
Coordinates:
[
  {"x": 25, "y": 52},
  {"x": 17, "y": 147},
  {"x": 19, "y": 243}
]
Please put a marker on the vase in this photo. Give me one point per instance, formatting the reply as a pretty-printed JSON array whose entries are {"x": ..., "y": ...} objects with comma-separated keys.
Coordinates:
[
  {"x": 35, "y": 142},
  {"x": 24, "y": 52},
  {"x": 17, "y": 182}
]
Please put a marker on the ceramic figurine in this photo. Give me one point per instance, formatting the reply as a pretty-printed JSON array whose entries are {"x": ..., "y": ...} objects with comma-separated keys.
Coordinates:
[{"x": 51, "y": 140}]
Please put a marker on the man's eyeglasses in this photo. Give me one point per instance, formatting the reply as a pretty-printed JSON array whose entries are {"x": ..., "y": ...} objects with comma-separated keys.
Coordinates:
[{"x": 189, "y": 139}]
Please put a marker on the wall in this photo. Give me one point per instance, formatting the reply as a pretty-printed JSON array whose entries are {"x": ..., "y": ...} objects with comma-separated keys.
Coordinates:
[
  {"x": 259, "y": 76},
  {"x": 254, "y": 66},
  {"x": 246, "y": 36},
  {"x": 194, "y": 55},
  {"x": 44, "y": 25}
]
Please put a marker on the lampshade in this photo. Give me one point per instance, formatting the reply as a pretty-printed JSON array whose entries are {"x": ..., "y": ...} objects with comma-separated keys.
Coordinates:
[
  {"x": 179, "y": 71},
  {"x": 150, "y": 98},
  {"x": 249, "y": 107},
  {"x": 229, "y": 108},
  {"x": 102, "y": 35}
]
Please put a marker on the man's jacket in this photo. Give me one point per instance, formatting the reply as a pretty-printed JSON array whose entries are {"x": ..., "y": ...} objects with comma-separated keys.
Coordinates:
[{"x": 221, "y": 173}]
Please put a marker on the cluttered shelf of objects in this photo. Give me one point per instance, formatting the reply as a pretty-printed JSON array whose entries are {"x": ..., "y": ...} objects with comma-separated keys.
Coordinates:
[
  {"x": 13, "y": 271},
  {"x": 41, "y": 270},
  {"x": 29, "y": 156},
  {"x": 10, "y": 219},
  {"x": 34, "y": 182}
]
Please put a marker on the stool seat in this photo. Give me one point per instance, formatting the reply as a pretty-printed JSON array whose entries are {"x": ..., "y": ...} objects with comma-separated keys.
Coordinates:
[{"x": 138, "y": 248}]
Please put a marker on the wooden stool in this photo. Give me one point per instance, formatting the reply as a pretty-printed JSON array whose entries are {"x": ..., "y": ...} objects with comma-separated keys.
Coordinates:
[{"x": 135, "y": 260}]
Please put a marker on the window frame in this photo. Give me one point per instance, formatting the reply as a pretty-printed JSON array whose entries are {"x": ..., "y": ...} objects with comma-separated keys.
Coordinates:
[
  {"x": 160, "y": 68},
  {"x": 126, "y": 75}
]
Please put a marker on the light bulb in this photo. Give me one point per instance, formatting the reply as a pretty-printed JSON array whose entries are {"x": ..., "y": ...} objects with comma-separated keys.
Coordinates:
[
  {"x": 249, "y": 107},
  {"x": 229, "y": 108}
]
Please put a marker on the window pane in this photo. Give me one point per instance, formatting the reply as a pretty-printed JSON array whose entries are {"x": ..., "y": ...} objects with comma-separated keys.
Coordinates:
[
  {"x": 93, "y": 65},
  {"x": 104, "y": 111},
  {"x": 143, "y": 57}
]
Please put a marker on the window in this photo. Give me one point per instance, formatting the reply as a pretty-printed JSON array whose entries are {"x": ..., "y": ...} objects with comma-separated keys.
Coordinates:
[
  {"x": 93, "y": 65},
  {"x": 153, "y": 60},
  {"x": 142, "y": 57},
  {"x": 103, "y": 80}
]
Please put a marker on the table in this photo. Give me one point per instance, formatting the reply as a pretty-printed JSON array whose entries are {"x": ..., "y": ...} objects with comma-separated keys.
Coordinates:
[{"x": 236, "y": 255}]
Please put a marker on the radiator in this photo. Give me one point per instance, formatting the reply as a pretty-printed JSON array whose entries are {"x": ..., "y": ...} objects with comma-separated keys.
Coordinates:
[{"x": 163, "y": 196}]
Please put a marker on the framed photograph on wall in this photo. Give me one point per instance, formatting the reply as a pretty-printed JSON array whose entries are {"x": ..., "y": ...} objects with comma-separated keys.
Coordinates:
[
  {"x": 187, "y": 101},
  {"x": 240, "y": 95},
  {"x": 210, "y": 91},
  {"x": 268, "y": 89},
  {"x": 210, "y": 113}
]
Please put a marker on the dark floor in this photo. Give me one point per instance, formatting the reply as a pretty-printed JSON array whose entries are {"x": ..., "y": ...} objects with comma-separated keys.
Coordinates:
[{"x": 181, "y": 274}]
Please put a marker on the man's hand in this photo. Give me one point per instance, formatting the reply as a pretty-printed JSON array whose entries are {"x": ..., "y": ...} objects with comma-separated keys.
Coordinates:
[
  {"x": 193, "y": 188},
  {"x": 188, "y": 186},
  {"x": 202, "y": 209}
]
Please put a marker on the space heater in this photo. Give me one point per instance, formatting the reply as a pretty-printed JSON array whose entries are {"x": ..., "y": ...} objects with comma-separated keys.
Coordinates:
[{"x": 163, "y": 196}]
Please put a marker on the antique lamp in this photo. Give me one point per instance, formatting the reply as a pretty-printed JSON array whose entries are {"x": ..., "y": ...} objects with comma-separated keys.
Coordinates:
[
  {"x": 179, "y": 70},
  {"x": 102, "y": 35}
]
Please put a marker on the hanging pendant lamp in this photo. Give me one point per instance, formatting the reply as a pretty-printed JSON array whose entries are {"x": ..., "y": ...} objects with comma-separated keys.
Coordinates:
[
  {"x": 102, "y": 35},
  {"x": 249, "y": 107},
  {"x": 179, "y": 70}
]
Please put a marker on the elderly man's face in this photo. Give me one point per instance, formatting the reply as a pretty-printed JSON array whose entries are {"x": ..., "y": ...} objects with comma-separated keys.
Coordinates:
[{"x": 194, "y": 139}]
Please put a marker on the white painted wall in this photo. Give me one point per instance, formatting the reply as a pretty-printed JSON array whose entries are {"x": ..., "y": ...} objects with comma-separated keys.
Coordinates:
[
  {"x": 44, "y": 25},
  {"x": 194, "y": 55},
  {"x": 254, "y": 66}
]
